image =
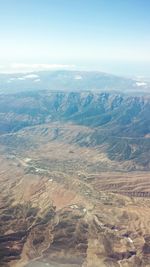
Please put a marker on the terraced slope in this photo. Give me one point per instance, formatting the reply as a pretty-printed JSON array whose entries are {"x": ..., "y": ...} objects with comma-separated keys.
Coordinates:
[{"x": 55, "y": 219}]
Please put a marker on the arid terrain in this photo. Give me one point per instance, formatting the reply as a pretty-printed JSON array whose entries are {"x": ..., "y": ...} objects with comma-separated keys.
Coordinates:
[{"x": 75, "y": 187}]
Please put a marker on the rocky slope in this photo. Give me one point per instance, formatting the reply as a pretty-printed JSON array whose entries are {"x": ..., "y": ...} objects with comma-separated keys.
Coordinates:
[
  {"x": 63, "y": 221},
  {"x": 67, "y": 162}
]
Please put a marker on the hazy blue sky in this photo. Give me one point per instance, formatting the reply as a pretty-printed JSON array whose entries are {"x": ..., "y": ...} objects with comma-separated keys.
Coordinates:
[{"x": 112, "y": 35}]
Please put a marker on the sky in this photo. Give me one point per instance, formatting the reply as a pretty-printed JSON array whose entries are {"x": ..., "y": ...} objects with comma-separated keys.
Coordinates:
[{"x": 105, "y": 35}]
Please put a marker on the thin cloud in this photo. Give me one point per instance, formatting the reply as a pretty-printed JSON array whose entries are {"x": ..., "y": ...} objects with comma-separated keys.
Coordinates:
[
  {"x": 20, "y": 78},
  {"x": 31, "y": 76},
  {"x": 78, "y": 77},
  {"x": 141, "y": 83},
  {"x": 38, "y": 67},
  {"x": 36, "y": 81}
]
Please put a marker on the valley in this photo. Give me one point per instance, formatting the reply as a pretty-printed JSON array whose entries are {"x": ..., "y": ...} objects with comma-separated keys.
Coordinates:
[{"x": 75, "y": 180}]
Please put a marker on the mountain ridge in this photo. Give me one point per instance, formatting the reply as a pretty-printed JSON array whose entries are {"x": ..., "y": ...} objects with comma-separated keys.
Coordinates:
[{"x": 119, "y": 123}]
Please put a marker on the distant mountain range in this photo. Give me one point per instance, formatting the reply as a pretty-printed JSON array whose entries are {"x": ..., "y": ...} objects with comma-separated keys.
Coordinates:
[{"x": 70, "y": 81}]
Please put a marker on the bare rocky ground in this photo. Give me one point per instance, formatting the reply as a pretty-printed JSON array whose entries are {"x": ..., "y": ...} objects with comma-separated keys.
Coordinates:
[{"x": 64, "y": 205}]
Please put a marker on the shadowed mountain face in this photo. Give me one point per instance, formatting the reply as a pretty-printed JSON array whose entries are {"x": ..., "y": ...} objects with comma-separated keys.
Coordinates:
[
  {"x": 123, "y": 115},
  {"x": 67, "y": 161},
  {"x": 121, "y": 124}
]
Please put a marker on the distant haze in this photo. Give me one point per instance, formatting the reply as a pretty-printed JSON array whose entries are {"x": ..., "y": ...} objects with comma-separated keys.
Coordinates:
[
  {"x": 104, "y": 35},
  {"x": 140, "y": 70}
]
